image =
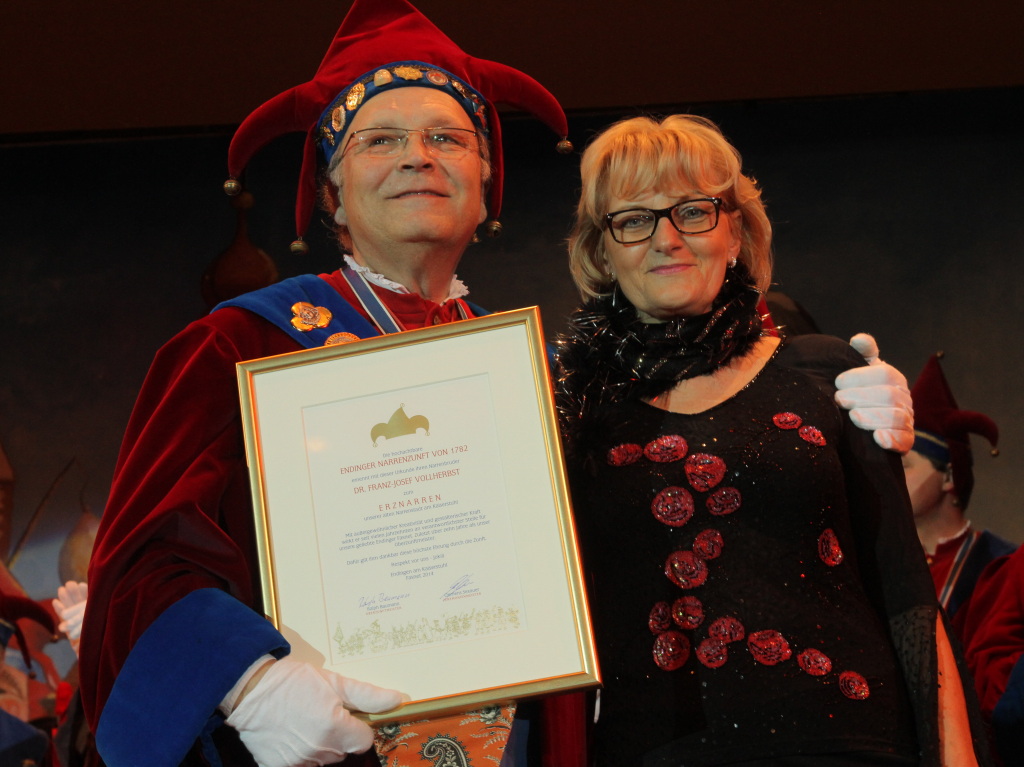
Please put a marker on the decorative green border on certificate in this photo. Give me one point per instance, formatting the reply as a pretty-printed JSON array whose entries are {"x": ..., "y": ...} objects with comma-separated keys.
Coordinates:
[{"x": 412, "y": 514}]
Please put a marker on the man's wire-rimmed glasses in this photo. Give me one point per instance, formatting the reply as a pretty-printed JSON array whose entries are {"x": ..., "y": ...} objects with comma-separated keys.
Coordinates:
[
  {"x": 386, "y": 142},
  {"x": 687, "y": 216}
]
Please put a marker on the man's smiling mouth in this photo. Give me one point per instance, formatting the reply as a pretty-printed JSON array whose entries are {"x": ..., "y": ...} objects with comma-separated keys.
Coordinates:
[{"x": 418, "y": 193}]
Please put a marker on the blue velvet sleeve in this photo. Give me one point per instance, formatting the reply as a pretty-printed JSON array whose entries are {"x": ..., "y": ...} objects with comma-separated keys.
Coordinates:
[{"x": 193, "y": 653}]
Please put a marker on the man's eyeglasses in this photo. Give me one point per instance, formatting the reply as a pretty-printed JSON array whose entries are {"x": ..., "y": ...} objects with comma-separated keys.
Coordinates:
[
  {"x": 385, "y": 142},
  {"x": 688, "y": 217}
]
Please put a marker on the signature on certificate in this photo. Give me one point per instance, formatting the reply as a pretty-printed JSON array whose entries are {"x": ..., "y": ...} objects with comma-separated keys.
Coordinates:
[
  {"x": 381, "y": 600},
  {"x": 460, "y": 586}
]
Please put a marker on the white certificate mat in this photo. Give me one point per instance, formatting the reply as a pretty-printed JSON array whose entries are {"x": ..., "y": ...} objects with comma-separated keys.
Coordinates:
[{"x": 412, "y": 514}]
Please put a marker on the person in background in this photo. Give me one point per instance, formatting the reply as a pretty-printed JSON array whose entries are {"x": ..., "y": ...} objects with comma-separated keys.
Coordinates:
[
  {"x": 991, "y": 624},
  {"x": 940, "y": 480},
  {"x": 177, "y": 663},
  {"x": 744, "y": 546},
  {"x": 22, "y": 743},
  {"x": 978, "y": 575}
]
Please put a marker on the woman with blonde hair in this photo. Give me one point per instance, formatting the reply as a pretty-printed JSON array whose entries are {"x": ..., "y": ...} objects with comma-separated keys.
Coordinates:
[{"x": 746, "y": 545}]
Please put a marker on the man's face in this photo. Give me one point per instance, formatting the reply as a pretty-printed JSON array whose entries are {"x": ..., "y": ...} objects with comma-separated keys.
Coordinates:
[
  {"x": 927, "y": 486},
  {"x": 413, "y": 196}
]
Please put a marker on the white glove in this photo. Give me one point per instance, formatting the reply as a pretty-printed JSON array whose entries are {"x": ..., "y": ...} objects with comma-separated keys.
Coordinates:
[
  {"x": 878, "y": 398},
  {"x": 70, "y": 608},
  {"x": 297, "y": 716}
]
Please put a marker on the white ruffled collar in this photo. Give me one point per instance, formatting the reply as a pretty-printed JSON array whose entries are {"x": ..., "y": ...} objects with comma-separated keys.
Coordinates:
[
  {"x": 958, "y": 534},
  {"x": 457, "y": 289}
]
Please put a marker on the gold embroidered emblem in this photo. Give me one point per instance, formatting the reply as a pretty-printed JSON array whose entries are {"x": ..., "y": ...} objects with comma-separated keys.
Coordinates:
[
  {"x": 340, "y": 338},
  {"x": 355, "y": 97},
  {"x": 408, "y": 73},
  {"x": 307, "y": 317}
]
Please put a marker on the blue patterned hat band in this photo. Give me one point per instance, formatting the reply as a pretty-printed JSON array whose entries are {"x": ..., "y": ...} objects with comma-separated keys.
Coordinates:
[
  {"x": 931, "y": 446},
  {"x": 400, "y": 74}
]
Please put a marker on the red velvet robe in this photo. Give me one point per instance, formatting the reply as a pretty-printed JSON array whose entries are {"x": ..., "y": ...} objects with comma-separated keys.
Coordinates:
[
  {"x": 179, "y": 523},
  {"x": 991, "y": 626}
]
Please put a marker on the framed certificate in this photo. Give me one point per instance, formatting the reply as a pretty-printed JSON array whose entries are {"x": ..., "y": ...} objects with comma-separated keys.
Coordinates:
[{"x": 412, "y": 514}]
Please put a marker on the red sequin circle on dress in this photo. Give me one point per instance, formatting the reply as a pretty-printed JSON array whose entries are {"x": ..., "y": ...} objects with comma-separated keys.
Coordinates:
[
  {"x": 660, "y": 618},
  {"x": 670, "y": 447},
  {"x": 686, "y": 569},
  {"x": 725, "y": 500},
  {"x": 708, "y": 544},
  {"x": 688, "y": 612},
  {"x": 813, "y": 435},
  {"x": 728, "y": 629},
  {"x": 673, "y": 506},
  {"x": 828, "y": 548},
  {"x": 769, "y": 647},
  {"x": 787, "y": 420},
  {"x": 704, "y": 471},
  {"x": 623, "y": 455},
  {"x": 853, "y": 685},
  {"x": 671, "y": 650},
  {"x": 814, "y": 662},
  {"x": 712, "y": 653}
]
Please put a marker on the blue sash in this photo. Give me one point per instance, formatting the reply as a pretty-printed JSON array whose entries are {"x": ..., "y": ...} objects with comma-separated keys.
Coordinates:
[{"x": 274, "y": 304}]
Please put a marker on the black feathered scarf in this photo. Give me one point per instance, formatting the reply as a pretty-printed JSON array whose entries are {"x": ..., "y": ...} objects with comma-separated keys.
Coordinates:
[{"x": 609, "y": 355}]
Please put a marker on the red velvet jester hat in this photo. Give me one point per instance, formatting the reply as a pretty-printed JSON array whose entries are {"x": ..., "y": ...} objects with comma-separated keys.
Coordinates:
[
  {"x": 942, "y": 430},
  {"x": 383, "y": 44}
]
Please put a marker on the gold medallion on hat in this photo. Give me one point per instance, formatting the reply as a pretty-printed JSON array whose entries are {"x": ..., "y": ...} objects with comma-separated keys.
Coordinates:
[
  {"x": 338, "y": 119},
  {"x": 340, "y": 338},
  {"x": 355, "y": 97},
  {"x": 307, "y": 317},
  {"x": 382, "y": 77},
  {"x": 408, "y": 73}
]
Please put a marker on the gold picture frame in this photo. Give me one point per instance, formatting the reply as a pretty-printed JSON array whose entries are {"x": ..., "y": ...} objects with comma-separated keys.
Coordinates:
[{"x": 413, "y": 517}]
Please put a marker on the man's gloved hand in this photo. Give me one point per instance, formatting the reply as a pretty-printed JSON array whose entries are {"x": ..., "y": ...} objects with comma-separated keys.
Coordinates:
[
  {"x": 70, "y": 608},
  {"x": 878, "y": 398},
  {"x": 298, "y": 716}
]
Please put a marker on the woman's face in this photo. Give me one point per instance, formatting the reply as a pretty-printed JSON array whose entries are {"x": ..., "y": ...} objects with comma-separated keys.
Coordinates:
[{"x": 672, "y": 274}]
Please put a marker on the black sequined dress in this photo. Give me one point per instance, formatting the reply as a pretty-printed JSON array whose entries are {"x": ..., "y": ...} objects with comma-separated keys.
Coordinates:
[{"x": 752, "y": 578}]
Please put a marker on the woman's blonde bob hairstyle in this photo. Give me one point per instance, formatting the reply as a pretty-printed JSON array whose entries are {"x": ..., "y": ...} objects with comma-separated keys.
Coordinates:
[{"x": 637, "y": 156}]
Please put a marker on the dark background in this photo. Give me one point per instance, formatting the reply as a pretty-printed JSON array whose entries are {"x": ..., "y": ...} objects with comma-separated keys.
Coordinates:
[{"x": 887, "y": 137}]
